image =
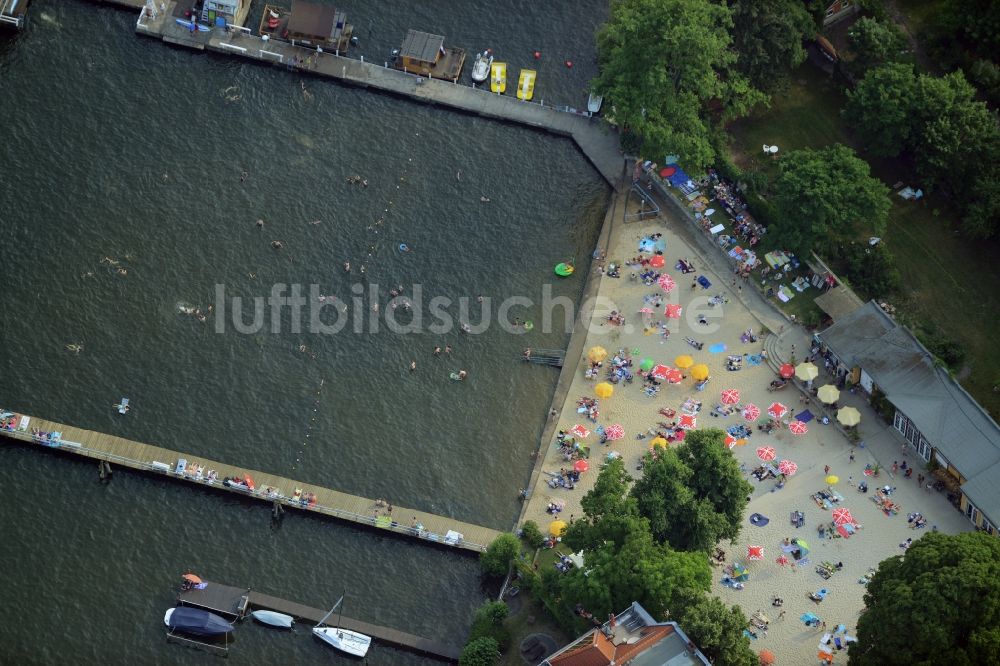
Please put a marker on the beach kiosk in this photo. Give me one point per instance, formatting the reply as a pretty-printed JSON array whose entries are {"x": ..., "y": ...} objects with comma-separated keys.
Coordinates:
[
  {"x": 425, "y": 54},
  {"x": 308, "y": 24},
  {"x": 223, "y": 12}
]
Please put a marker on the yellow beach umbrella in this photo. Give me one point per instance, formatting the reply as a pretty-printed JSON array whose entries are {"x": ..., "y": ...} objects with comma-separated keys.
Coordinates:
[
  {"x": 699, "y": 372},
  {"x": 659, "y": 441},
  {"x": 807, "y": 371},
  {"x": 832, "y": 479},
  {"x": 683, "y": 361},
  {"x": 557, "y": 527},
  {"x": 828, "y": 394},
  {"x": 848, "y": 416},
  {"x": 604, "y": 390},
  {"x": 597, "y": 354}
]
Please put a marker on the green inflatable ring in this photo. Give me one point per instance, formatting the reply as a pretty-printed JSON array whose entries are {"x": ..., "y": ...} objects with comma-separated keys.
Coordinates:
[
  {"x": 564, "y": 269},
  {"x": 528, "y": 325}
]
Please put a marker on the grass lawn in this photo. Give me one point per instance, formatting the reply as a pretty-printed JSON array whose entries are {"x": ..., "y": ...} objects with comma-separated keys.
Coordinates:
[{"x": 947, "y": 278}]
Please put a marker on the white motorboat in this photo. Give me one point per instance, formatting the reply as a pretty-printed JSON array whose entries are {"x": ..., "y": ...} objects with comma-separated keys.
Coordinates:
[
  {"x": 481, "y": 68},
  {"x": 345, "y": 640},
  {"x": 273, "y": 619},
  {"x": 594, "y": 103}
]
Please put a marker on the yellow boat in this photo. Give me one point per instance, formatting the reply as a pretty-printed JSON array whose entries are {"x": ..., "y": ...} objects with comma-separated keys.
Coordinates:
[
  {"x": 526, "y": 84},
  {"x": 498, "y": 77}
]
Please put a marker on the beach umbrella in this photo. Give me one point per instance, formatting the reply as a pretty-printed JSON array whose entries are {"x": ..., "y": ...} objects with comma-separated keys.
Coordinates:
[
  {"x": 798, "y": 428},
  {"x": 730, "y": 397},
  {"x": 597, "y": 354},
  {"x": 657, "y": 261},
  {"x": 786, "y": 371},
  {"x": 766, "y": 453},
  {"x": 666, "y": 283},
  {"x": 683, "y": 361},
  {"x": 687, "y": 422},
  {"x": 755, "y": 552},
  {"x": 191, "y": 578},
  {"x": 766, "y": 658},
  {"x": 615, "y": 432},
  {"x": 673, "y": 311},
  {"x": 777, "y": 410},
  {"x": 807, "y": 371},
  {"x": 828, "y": 394},
  {"x": 729, "y": 442},
  {"x": 740, "y": 573},
  {"x": 659, "y": 441},
  {"x": 832, "y": 480},
  {"x": 787, "y": 467},
  {"x": 580, "y": 431},
  {"x": 848, "y": 416},
  {"x": 751, "y": 412},
  {"x": 557, "y": 527},
  {"x": 581, "y": 466},
  {"x": 660, "y": 371},
  {"x": 674, "y": 376},
  {"x": 782, "y": 560},
  {"x": 604, "y": 390},
  {"x": 646, "y": 364},
  {"x": 842, "y": 516},
  {"x": 699, "y": 372}
]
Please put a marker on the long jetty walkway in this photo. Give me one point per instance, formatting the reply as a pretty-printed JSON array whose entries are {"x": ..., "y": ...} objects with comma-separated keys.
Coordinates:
[
  {"x": 597, "y": 140},
  {"x": 268, "y": 487},
  {"x": 238, "y": 602}
]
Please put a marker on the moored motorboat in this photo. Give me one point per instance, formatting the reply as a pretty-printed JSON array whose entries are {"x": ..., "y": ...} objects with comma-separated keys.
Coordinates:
[
  {"x": 481, "y": 68},
  {"x": 526, "y": 84},
  {"x": 498, "y": 77},
  {"x": 594, "y": 103},
  {"x": 196, "y": 621},
  {"x": 273, "y": 619}
]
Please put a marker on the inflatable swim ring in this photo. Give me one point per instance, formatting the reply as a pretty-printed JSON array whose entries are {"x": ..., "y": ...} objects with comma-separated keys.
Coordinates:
[
  {"x": 528, "y": 325},
  {"x": 564, "y": 269},
  {"x": 403, "y": 247}
]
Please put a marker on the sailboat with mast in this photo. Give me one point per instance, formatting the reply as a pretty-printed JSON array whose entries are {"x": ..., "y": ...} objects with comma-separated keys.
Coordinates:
[{"x": 345, "y": 640}]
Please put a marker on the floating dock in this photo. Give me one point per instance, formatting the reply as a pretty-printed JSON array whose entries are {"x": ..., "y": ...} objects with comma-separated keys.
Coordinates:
[
  {"x": 239, "y": 602},
  {"x": 597, "y": 140},
  {"x": 268, "y": 487},
  {"x": 14, "y": 13}
]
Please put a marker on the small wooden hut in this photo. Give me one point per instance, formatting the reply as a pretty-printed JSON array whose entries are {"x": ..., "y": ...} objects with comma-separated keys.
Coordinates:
[{"x": 425, "y": 54}]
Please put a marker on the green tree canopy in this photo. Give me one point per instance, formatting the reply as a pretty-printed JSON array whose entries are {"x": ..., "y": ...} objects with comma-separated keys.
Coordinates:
[
  {"x": 661, "y": 63},
  {"x": 874, "y": 42},
  {"x": 499, "y": 554},
  {"x": 693, "y": 494},
  {"x": 767, "y": 37},
  {"x": 827, "y": 197},
  {"x": 879, "y": 108},
  {"x": 717, "y": 630},
  {"x": 938, "y": 604},
  {"x": 480, "y": 652}
]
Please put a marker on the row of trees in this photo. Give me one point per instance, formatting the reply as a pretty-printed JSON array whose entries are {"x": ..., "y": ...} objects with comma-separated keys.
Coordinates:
[
  {"x": 674, "y": 69},
  {"x": 952, "y": 138}
]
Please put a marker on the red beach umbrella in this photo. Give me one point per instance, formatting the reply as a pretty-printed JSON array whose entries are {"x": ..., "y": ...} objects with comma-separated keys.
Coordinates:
[
  {"x": 787, "y": 467},
  {"x": 842, "y": 516},
  {"x": 787, "y": 371},
  {"x": 730, "y": 397},
  {"x": 666, "y": 283},
  {"x": 751, "y": 412},
  {"x": 798, "y": 428},
  {"x": 657, "y": 261},
  {"x": 674, "y": 376},
  {"x": 687, "y": 422},
  {"x": 777, "y": 410},
  {"x": 673, "y": 311},
  {"x": 580, "y": 431},
  {"x": 615, "y": 432},
  {"x": 766, "y": 453},
  {"x": 660, "y": 371},
  {"x": 755, "y": 552},
  {"x": 581, "y": 466}
]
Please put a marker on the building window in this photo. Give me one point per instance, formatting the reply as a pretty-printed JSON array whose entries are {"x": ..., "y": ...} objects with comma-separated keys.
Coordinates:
[
  {"x": 988, "y": 527},
  {"x": 906, "y": 428},
  {"x": 971, "y": 512}
]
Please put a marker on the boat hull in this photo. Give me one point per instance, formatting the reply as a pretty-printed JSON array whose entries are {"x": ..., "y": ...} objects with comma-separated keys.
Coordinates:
[
  {"x": 498, "y": 77},
  {"x": 344, "y": 640},
  {"x": 273, "y": 619},
  {"x": 481, "y": 69},
  {"x": 526, "y": 84}
]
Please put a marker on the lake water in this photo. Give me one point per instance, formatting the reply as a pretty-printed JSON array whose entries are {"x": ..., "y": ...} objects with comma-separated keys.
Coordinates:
[{"x": 119, "y": 147}]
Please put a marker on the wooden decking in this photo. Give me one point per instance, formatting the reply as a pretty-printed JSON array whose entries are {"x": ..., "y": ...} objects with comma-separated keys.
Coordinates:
[
  {"x": 238, "y": 602},
  {"x": 269, "y": 487}
]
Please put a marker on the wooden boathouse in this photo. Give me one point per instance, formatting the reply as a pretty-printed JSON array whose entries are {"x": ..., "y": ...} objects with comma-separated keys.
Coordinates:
[
  {"x": 308, "y": 24},
  {"x": 425, "y": 54},
  {"x": 238, "y": 602},
  {"x": 270, "y": 488}
]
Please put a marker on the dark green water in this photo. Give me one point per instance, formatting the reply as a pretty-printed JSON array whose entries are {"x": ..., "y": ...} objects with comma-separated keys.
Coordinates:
[{"x": 118, "y": 146}]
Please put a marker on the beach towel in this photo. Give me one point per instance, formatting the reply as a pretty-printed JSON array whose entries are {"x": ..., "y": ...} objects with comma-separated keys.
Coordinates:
[
  {"x": 843, "y": 532},
  {"x": 805, "y": 416},
  {"x": 759, "y": 520},
  {"x": 754, "y": 359},
  {"x": 717, "y": 348},
  {"x": 703, "y": 281},
  {"x": 383, "y": 521}
]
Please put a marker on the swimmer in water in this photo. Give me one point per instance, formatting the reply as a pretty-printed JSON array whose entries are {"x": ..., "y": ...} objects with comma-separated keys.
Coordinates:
[
  {"x": 347, "y": 267},
  {"x": 413, "y": 366},
  {"x": 437, "y": 351},
  {"x": 466, "y": 328},
  {"x": 260, "y": 223},
  {"x": 277, "y": 245},
  {"x": 375, "y": 307},
  {"x": 75, "y": 348},
  {"x": 447, "y": 349},
  {"x": 484, "y": 199},
  {"x": 462, "y": 374},
  {"x": 243, "y": 177},
  {"x": 122, "y": 271}
]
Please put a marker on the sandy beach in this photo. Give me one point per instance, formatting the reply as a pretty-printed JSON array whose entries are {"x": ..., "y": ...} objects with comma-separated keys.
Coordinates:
[{"x": 878, "y": 535}]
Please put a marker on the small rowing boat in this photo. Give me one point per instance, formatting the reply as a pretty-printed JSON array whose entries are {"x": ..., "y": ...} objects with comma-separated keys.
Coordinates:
[
  {"x": 498, "y": 77},
  {"x": 273, "y": 619},
  {"x": 594, "y": 103},
  {"x": 481, "y": 68},
  {"x": 526, "y": 84}
]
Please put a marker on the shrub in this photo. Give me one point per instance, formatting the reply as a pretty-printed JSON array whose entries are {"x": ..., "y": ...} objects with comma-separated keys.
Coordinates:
[
  {"x": 498, "y": 556},
  {"x": 480, "y": 652},
  {"x": 488, "y": 623},
  {"x": 531, "y": 534},
  {"x": 944, "y": 348}
]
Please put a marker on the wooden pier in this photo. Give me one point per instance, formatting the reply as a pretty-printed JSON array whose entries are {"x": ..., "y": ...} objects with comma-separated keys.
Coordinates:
[
  {"x": 14, "y": 13},
  {"x": 597, "y": 140},
  {"x": 269, "y": 488},
  {"x": 239, "y": 602}
]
